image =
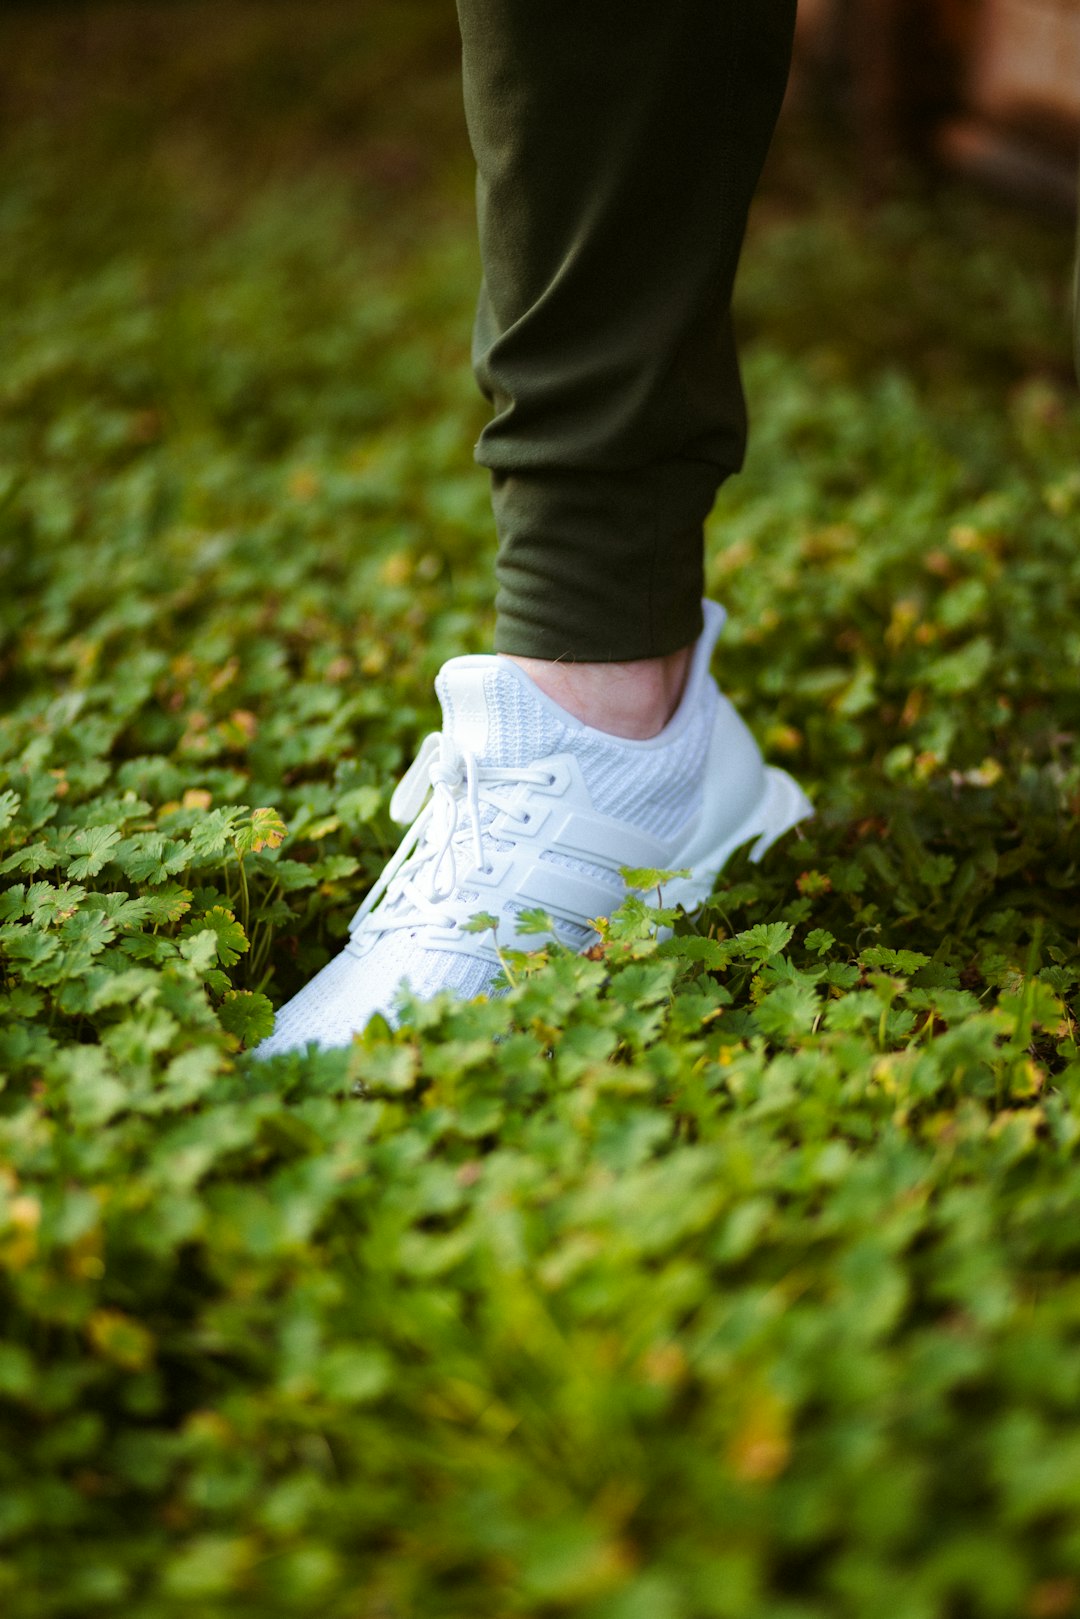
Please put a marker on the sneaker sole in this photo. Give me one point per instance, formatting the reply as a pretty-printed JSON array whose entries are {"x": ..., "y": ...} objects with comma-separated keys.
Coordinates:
[{"x": 782, "y": 805}]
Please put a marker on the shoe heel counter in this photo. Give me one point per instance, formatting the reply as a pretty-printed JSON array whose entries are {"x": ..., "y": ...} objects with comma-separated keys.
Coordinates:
[{"x": 734, "y": 782}]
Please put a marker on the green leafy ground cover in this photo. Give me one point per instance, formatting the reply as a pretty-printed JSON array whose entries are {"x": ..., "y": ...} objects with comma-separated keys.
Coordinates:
[{"x": 731, "y": 1276}]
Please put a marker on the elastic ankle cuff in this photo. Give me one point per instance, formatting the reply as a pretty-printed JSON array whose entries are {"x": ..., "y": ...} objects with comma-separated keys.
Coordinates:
[{"x": 600, "y": 569}]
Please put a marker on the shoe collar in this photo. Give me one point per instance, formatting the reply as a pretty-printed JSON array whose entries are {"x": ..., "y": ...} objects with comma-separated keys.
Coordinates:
[{"x": 467, "y": 687}]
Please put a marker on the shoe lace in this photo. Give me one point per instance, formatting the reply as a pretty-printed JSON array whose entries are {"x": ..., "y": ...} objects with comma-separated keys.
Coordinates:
[{"x": 423, "y": 874}]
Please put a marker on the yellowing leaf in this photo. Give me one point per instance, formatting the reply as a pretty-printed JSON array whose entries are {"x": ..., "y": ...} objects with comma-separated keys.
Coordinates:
[
  {"x": 760, "y": 1447},
  {"x": 266, "y": 830},
  {"x": 120, "y": 1339}
]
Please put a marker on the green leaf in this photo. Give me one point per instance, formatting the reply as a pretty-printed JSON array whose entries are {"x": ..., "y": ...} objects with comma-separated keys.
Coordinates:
[
  {"x": 963, "y": 670},
  {"x": 199, "y": 948},
  {"x": 246, "y": 1014},
  {"x": 13, "y": 903},
  {"x": 534, "y": 920},
  {"x": 644, "y": 877},
  {"x": 359, "y": 805},
  {"x": 788, "y": 1011},
  {"x": 169, "y": 905},
  {"x": 895, "y": 961},
  {"x": 354, "y": 1374},
  {"x": 151, "y": 857},
  {"x": 230, "y": 939},
  {"x": 9, "y": 808},
  {"x": 217, "y": 831},
  {"x": 34, "y": 857},
  {"x": 95, "y": 1093},
  {"x": 714, "y": 953},
  {"x": 482, "y": 922},
  {"x": 93, "y": 846},
  {"x": 762, "y": 942}
]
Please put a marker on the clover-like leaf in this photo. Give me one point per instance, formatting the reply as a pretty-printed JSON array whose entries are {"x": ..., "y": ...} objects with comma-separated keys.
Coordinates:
[
  {"x": 9, "y": 807},
  {"x": 231, "y": 941},
  {"x": 247, "y": 1014},
  {"x": 92, "y": 847},
  {"x": 215, "y": 831},
  {"x": 762, "y": 942},
  {"x": 482, "y": 922},
  {"x": 265, "y": 830}
]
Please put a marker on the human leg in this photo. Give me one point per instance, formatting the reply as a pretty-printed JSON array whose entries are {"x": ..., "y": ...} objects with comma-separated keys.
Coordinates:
[{"x": 618, "y": 145}]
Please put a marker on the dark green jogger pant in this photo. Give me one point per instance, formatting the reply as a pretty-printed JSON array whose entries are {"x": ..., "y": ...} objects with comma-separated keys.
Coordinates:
[{"x": 618, "y": 144}]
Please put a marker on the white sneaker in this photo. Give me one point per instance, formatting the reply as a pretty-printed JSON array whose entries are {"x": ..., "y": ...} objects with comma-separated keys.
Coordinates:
[{"x": 519, "y": 806}]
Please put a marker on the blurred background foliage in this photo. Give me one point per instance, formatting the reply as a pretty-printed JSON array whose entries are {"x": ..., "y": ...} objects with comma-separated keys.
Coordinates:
[{"x": 734, "y": 1277}]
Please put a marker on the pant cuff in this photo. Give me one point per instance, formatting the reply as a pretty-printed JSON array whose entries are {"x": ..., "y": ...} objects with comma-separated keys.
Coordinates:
[{"x": 599, "y": 568}]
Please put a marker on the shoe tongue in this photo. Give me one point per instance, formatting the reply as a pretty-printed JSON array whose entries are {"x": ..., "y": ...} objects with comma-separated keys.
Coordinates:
[{"x": 482, "y": 698}]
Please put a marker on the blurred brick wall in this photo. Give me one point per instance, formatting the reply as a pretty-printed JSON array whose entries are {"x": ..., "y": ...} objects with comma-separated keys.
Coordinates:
[
  {"x": 1025, "y": 67},
  {"x": 991, "y": 86}
]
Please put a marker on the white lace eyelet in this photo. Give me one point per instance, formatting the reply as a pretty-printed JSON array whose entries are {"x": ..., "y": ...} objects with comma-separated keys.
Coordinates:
[
  {"x": 551, "y": 780},
  {"x": 525, "y": 819}
]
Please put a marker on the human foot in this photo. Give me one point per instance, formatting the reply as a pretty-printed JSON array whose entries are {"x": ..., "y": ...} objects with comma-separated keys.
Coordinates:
[{"x": 520, "y": 806}]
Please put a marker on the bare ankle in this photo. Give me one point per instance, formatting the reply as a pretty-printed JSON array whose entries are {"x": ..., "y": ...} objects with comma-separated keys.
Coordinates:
[{"x": 633, "y": 700}]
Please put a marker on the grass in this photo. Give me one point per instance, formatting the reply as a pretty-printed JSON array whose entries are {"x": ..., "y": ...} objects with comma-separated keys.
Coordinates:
[{"x": 728, "y": 1276}]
